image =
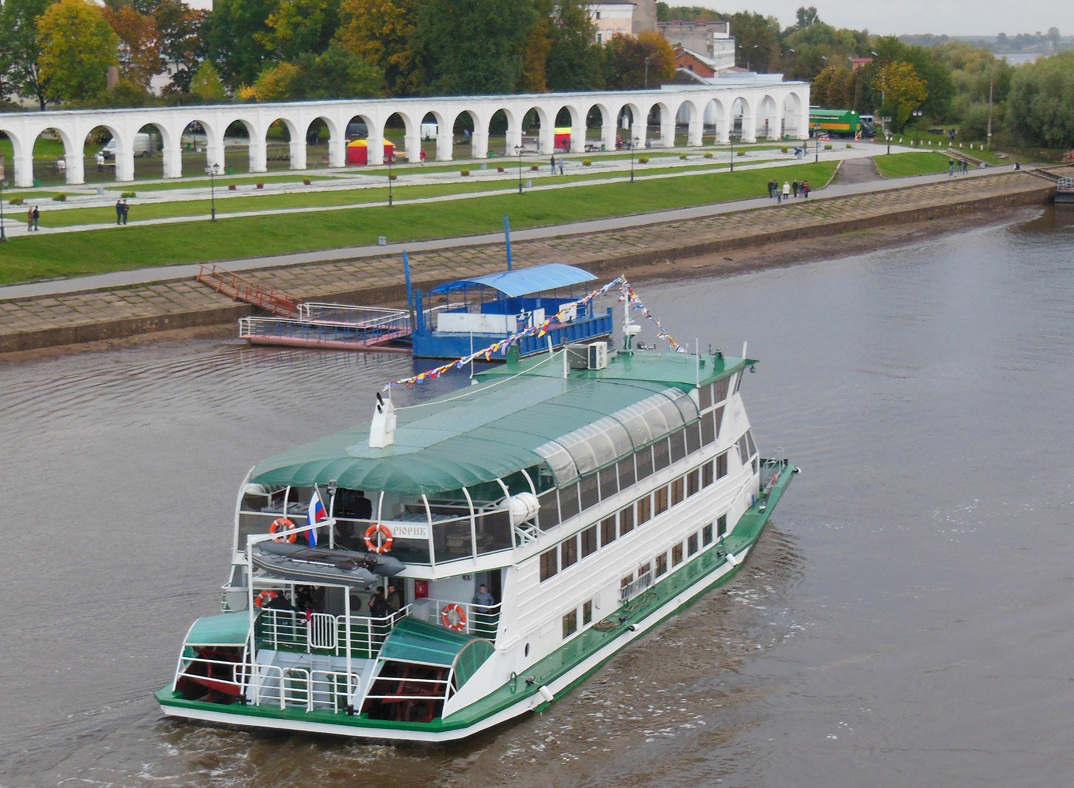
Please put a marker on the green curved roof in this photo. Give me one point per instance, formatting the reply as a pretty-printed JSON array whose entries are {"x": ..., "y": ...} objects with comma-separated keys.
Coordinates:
[{"x": 475, "y": 435}]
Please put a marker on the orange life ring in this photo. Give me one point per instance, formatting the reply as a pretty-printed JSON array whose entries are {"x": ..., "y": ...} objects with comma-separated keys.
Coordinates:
[
  {"x": 264, "y": 598},
  {"x": 378, "y": 538},
  {"x": 285, "y": 528},
  {"x": 454, "y": 617}
]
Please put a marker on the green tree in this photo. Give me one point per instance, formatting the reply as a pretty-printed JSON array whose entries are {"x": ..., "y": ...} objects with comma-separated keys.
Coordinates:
[
  {"x": 300, "y": 27},
  {"x": 1040, "y": 105},
  {"x": 759, "y": 41},
  {"x": 180, "y": 40},
  {"x": 574, "y": 60},
  {"x": 339, "y": 74},
  {"x": 633, "y": 62},
  {"x": 231, "y": 32},
  {"x": 19, "y": 49},
  {"x": 903, "y": 90},
  {"x": 206, "y": 83},
  {"x": 473, "y": 46},
  {"x": 381, "y": 32},
  {"x": 77, "y": 47}
]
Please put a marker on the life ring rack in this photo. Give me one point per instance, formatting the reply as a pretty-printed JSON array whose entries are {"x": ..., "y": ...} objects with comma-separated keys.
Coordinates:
[
  {"x": 285, "y": 528},
  {"x": 454, "y": 617},
  {"x": 378, "y": 538}
]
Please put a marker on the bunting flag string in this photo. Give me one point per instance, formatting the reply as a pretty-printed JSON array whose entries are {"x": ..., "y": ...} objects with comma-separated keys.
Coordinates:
[{"x": 501, "y": 346}]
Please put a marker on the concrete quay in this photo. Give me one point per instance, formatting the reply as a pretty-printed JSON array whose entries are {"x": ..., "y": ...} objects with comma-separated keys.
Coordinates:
[{"x": 111, "y": 307}]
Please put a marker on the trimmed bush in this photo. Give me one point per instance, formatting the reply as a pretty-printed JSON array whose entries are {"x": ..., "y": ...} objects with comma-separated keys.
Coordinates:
[
  {"x": 784, "y": 149},
  {"x": 827, "y": 146},
  {"x": 742, "y": 153},
  {"x": 16, "y": 201},
  {"x": 643, "y": 159},
  {"x": 587, "y": 163},
  {"x": 231, "y": 187},
  {"x": 499, "y": 169},
  {"x": 128, "y": 195},
  {"x": 61, "y": 197},
  {"x": 849, "y": 145},
  {"x": 261, "y": 186},
  {"x": 306, "y": 181},
  {"x": 464, "y": 172},
  {"x": 534, "y": 168},
  {"x": 708, "y": 155},
  {"x": 682, "y": 157},
  {"x": 393, "y": 177}
]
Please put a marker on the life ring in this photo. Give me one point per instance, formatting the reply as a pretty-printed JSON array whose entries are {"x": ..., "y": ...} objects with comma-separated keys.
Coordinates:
[
  {"x": 378, "y": 538},
  {"x": 264, "y": 598},
  {"x": 285, "y": 528},
  {"x": 454, "y": 617}
]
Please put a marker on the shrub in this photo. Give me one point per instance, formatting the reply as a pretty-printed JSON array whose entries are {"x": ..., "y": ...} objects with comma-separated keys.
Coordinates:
[
  {"x": 534, "y": 168},
  {"x": 128, "y": 195},
  {"x": 708, "y": 155},
  {"x": 499, "y": 169},
  {"x": 784, "y": 149},
  {"x": 393, "y": 176},
  {"x": 16, "y": 201},
  {"x": 587, "y": 162},
  {"x": 827, "y": 146},
  {"x": 849, "y": 145},
  {"x": 261, "y": 186},
  {"x": 682, "y": 157},
  {"x": 60, "y": 197},
  {"x": 742, "y": 153},
  {"x": 464, "y": 172},
  {"x": 306, "y": 181},
  {"x": 643, "y": 159}
]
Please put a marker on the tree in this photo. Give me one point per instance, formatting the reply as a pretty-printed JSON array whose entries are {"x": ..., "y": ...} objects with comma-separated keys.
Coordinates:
[
  {"x": 19, "y": 49},
  {"x": 77, "y": 47},
  {"x": 139, "y": 44},
  {"x": 473, "y": 46},
  {"x": 806, "y": 17},
  {"x": 334, "y": 74},
  {"x": 300, "y": 27},
  {"x": 574, "y": 60},
  {"x": 180, "y": 41},
  {"x": 903, "y": 90},
  {"x": 381, "y": 32},
  {"x": 631, "y": 63},
  {"x": 206, "y": 83},
  {"x": 1040, "y": 105},
  {"x": 231, "y": 32}
]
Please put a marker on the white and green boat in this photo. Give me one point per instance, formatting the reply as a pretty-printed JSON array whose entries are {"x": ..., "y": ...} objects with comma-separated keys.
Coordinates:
[{"x": 592, "y": 493}]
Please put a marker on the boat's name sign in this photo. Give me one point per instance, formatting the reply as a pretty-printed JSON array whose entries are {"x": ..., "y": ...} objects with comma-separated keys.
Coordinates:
[{"x": 410, "y": 530}]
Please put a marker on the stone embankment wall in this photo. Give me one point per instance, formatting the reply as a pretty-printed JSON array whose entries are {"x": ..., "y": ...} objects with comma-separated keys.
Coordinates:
[{"x": 48, "y": 321}]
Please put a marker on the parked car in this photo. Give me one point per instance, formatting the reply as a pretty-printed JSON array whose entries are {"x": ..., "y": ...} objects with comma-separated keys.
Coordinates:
[{"x": 143, "y": 146}]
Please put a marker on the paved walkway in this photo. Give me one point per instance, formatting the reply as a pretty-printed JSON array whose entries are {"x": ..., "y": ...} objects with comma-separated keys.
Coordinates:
[{"x": 47, "y": 313}]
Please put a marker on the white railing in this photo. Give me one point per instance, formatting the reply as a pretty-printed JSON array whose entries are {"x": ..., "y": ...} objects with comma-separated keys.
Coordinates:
[
  {"x": 479, "y": 620},
  {"x": 442, "y": 689},
  {"x": 284, "y": 630},
  {"x": 351, "y": 313},
  {"x": 291, "y": 687},
  {"x": 635, "y": 587}
]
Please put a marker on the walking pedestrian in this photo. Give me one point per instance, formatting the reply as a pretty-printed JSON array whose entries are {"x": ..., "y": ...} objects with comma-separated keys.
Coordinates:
[
  {"x": 37, "y": 218},
  {"x": 119, "y": 212},
  {"x": 126, "y": 211},
  {"x": 950, "y": 167},
  {"x": 422, "y": 156},
  {"x": 786, "y": 190},
  {"x": 552, "y": 161},
  {"x": 794, "y": 188},
  {"x": 560, "y": 165},
  {"x": 771, "y": 189},
  {"x": 805, "y": 189},
  {"x": 29, "y": 219}
]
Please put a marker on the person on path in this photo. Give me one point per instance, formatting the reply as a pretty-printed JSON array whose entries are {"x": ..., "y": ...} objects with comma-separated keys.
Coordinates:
[
  {"x": 794, "y": 188},
  {"x": 771, "y": 189},
  {"x": 805, "y": 189},
  {"x": 552, "y": 161},
  {"x": 119, "y": 211},
  {"x": 950, "y": 167},
  {"x": 965, "y": 166},
  {"x": 100, "y": 162},
  {"x": 126, "y": 211},
  {"x": 422, "y": 156},
  {"x": 37, "y": 218},
  {"x": 786, "y": 190},
  {"x": 29, "y": 219},
  {"x": 560, "y": 165}
]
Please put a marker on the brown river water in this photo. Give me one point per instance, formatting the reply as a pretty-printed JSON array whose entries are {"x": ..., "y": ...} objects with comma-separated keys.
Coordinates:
[{"x": 906, "y": 619}]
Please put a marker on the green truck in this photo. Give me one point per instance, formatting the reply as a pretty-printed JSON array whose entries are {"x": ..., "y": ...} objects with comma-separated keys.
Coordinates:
[{"x": 841, "y": 122}]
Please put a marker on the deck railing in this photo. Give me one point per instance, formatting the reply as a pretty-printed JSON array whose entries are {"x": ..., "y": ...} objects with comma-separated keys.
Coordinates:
[{"x": 295, "y": 687}]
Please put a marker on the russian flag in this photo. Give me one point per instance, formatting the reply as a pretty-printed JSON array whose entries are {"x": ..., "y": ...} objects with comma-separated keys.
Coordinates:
[{"x": 315, "y": 514}]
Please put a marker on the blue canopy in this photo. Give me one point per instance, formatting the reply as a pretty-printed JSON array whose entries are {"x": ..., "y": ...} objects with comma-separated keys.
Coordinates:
[{"x": 522, "y": 281}]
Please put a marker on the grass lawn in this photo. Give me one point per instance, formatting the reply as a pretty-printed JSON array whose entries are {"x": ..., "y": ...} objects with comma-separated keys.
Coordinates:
[
  {"x": 901, "y": 165},
  {"x": 221, "y": 182},
  {"x": 26, "y": 258}
]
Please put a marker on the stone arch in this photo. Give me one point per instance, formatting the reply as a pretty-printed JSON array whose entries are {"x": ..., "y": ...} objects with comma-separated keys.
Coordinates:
[
  {"x": 660, "y": 113},
  {"x": 502, "y": 119},
  {"x": 155, "y": 164},
  {"x": 408, "y": 143},
  {"x": 605, "y": 116},
  {"x": 102, "y": 160},
  {"x": 743, "y": 119},
  {"x": 236, "y": 131},
  {"x": 544, "y": 120},
  {"x": 463, "y": 126},
  {"x": 436, "y": 118},
  {"x": 310, "y": 139},
  {"x": 688, "y": 114},
  {"x": 359, "y": 126},
  {"x": 203, "y": 133},
  {"x": 279, "y": 134},
  {"x": 795, "y": 116},
  {"x": 51, "y": 165},
  {"x": 768, "y": 118},
  {"x": 630, "y": 125},
  {"x": 717, "y": 117}
]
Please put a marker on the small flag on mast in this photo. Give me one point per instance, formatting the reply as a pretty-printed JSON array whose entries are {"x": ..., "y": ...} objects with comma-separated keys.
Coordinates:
[{"x": 315, "y": 514}]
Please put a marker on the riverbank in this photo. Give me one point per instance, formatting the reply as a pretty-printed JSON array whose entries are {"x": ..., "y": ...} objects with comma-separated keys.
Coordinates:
[{"x": 652, "y": 247}]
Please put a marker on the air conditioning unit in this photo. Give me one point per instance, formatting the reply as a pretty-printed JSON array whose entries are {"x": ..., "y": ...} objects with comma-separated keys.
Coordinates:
[
  {"x": 577, "y": 356},
  {"x": 598, "y": 355}
]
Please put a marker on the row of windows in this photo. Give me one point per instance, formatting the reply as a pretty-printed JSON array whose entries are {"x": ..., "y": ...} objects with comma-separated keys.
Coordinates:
[
  {"x": 595, "y": 487},
  {"x": 669, "y": 559},
  {"x": 601, "y": 534},
  {"x": 713, "y": 394}
]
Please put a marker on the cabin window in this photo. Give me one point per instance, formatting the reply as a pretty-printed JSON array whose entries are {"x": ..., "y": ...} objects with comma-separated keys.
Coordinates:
[
  {"x": 691, "y": 544},
  {"x": 609, "y": 484},
  {"x": 589, "y": 493},
  {"x": 625, "y": 467},
  {"x": 678, "y": 445},
  {"x": 704, "y": 397},
  {"x": 568, "y": 552},
  {"x": 721, "y": 465},
  {"x": 626, "y": 520},
  {"x": 661, "y": 564},
  {"x": 549, "y": 564},
  {"x": 678, "y": 487},
  {"x": 626, "y": 581},
  {"x": 717, "y": 420},
  {"x": 693, "y": 482},
  {"x": 738, "y": 381},
  {"x": 607, "y": 530},
  {"x": 644, "y": 569},
  {"x": 750, "y": 445},
  {"x": 706, "y": 474},
  {"x": 660, "y": 500},
  {"x": 693, "y": 437},
  {"x": 568, "y": 502},
  {"x": 570, "y": 623},
  {"x": 721, "y": 527},
  {"x": 661, "y": 458},
  {"x": 587, "y": 612},
  {"x": 708, "y": 429},
  {"x": 743, "y": 451},
  {"x": 644, "y": 510},
  {"x": 719, "y": 390},
  {"x": 676, "y": 554},
  {"x": 589, "y": 540},
  {"x": 706, "y": 535},
  {"x": 548, "y": 516},
  {"x": 644, "y": 459}
]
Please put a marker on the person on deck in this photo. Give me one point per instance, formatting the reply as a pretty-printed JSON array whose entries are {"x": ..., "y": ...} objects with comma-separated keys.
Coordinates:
[
  {"x": 394, "y": 601},
  {"x": 378, "y": 606}
]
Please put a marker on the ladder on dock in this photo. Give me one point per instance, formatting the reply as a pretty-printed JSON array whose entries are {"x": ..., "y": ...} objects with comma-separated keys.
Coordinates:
[{"x": 242, "y": 289}]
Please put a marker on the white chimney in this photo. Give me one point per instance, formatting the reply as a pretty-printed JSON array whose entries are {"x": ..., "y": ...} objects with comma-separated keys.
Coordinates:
[{"x": 382, "y": 430}]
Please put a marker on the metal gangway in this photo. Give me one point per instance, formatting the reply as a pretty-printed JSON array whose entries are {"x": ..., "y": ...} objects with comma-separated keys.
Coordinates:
[
  {"x": 332, "y": 326},
  {"x": 242, "y": 289}
]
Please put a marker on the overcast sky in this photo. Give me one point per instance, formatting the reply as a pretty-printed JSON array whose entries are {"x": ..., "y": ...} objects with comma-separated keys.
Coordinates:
[{"x": 897, "y": 17}]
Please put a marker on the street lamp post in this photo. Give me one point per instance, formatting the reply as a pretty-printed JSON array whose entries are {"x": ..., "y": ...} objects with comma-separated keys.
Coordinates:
[
  {"x": 212, "y": 170},
  {"x": 633, "y": 144},
  {"x": 887, "y": 131},
  {"x": 3, "y": 235},
  {"x": 816, "y": 145},
  {"x": 731, "y": 139},
  {"x": 518, "y": 150},
  {"x": 390, "y": 157}
]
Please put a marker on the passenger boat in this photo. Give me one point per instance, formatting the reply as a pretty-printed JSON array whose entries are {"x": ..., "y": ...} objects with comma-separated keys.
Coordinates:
[{"x": 539, "y": 520}]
